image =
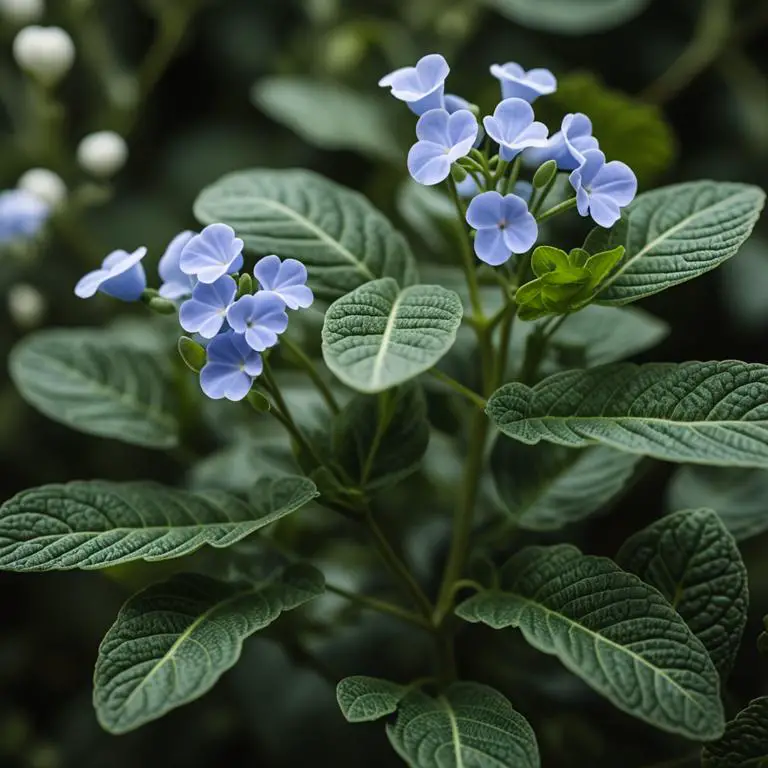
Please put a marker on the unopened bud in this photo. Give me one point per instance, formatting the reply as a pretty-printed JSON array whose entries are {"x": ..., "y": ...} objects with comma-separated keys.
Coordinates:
[
  {"x": 259, "y": 402},
  {"x": 21, "y": 11},
  {"x": 102, "y": 153},
  {"x": 161, "y": 306},
  {"x": 244, "y": 285},
  {"x": 192, "y": 353},
  {"x": 458, "y": 174},
  {"x": 545, "y": 174},
  {"x": 45, "y": 53},
  {"x": 45, "y": 184},
  {"x": 26, "y": 305}
]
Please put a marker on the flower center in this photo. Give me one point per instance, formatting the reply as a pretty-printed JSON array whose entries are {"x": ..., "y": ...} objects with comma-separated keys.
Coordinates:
[{"x": 503, "y": 224}]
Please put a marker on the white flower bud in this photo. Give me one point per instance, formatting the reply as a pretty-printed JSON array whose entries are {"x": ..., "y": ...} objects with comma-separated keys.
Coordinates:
[
  {"x": 21, "y": 11},
  {"x": 46, "y": 53},
  {"x": 45, "y": 184},
  {"x": 102, "y": 153},
  {"x": 26, "y": 305}
]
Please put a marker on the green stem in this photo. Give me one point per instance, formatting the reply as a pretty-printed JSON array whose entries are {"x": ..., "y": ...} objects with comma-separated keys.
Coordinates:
[
  {"x": 382, "y": 423},
  {"x": 511, "y": 180},
  {"x": 382, "y": 606},
  {"x": 566, "y": 205},
  {"x": 467, "y": 252},
  {"x": 543, "y": 195},
  {"x": 307, "y": 364},
  {"x": 508, "y": 324},
  {"x": 458, "y": 387}
]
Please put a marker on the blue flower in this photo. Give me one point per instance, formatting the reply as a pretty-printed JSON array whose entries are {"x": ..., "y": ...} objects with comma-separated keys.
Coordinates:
[
  {"x": 176, "y": 284},
  {"x": 513, "y": 128},
  {"x": 518, "y": 84},
  {"x": 603, "y": 189},
  {"x": 443, "y": 139},
  {"x": 287, "y": 279},
  {"x": 421, "y": 87},
  {"x": 22, "y": 215},
  {"x": 206, "y": 311},
  {"x": 454, "y": 103},
  {"x": 261, "y": 318},
  {"x": 121, "y": 276},
  {"x": 568, "y": 145},
  {"x": 504, "y": 226},
  {"x": 230, "y": 369},
  {"x": 213, "y": 253}
]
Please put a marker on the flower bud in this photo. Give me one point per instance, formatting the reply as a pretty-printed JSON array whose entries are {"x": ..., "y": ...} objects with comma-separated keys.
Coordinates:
[
  {"x": 458, "y": 174},
  {"x": 244, "y": 285},
  {"x": 45, "y": 53},
  {"x": 545, "y": 174},
  {"x": 26, "y": 305},
  {"x": 192, "y": 353},
  {"x": 45, "y": 184},
  {"x": 21, "y": 11},
  {"x": 102, "y": 153}
]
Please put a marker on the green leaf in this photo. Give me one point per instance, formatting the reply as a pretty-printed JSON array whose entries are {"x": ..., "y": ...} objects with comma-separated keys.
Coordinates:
[
  {"x": 363, "y": 699},
  {"x": 96, "y": 524},
  {"x": 695, "y": 563},
  {"x": 171, "y": 642},
  {"x": 737, "y": 495},
  {"x": 702, "y": 413},
  {"x": 343, "y": 240},
  {"x": 745, "y": 742},
  {"x": 567, "y": 17},
  {"x": 380, "y": 336},
  {"x": 329, "y": 115},
  {"x": 96, "y": 386},
  {"x": 614, "y": 631},
  {"x": 545, "y": 487},
  {"x": 629, "y": 129},
  {"x": 469, "y": 725},
  {"x": 380, "y": 439},
  {"x": 430, "y": 214},
  {"x": 675, "y": 234}
]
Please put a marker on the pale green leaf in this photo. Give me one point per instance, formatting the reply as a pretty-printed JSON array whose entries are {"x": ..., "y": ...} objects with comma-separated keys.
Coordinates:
[
  {"x": 363, "y": 699},
  {"x": 745, "y": 742},
  {"x": 545, "y": 487},
  {"x": 675, "y": 234},
  {"x": 702, "y": 413},
  {"x": 96, "y": 524},
  {"x": 614, "y": 631},
  {"x": 329, "y": 115},
  {"x": 737, "y": 495},
  {"x": 470, "y": 725},
  {"x": 171, "y": 642},
  {"x": 380, "y": 335},
  {"x": 343, "y": 240},
  {"x": 695, "y": 563},
  {"x": 568, "y": 17},
  {"x": 97, "y": 386}
]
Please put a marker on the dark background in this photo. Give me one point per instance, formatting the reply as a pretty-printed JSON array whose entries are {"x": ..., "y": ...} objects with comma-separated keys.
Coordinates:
[{"x": 198, "y": 123}]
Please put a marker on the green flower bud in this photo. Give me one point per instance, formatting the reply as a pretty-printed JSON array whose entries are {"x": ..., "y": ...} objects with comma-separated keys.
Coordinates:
[
  {"x": 161, "y": 306},
  {"x": 458, "y": 174},
  {"x": 545, "y": 174},
  {"x": 192, "y": 353},
  {"x": 244, "y": 285}
]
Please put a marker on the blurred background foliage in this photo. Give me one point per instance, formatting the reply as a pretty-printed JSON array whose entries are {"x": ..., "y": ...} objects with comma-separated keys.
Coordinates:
[{"x": 679, "y": 90}]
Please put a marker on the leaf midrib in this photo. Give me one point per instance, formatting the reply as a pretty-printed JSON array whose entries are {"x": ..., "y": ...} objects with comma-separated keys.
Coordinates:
[
  {"x": 760, "y": 423},
  {"x": 455, "y": 735},
  {"x": 378, "y": 363}
]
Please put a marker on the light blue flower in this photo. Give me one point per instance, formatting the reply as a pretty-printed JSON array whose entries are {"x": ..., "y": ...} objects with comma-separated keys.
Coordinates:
[
  {"x": 261, "y": 318},
  {"x": 518, "y": 84},
  {"x": 206, "y": 311},
  {"x": 121, "y": 276},
  {"x": 454, "y": 103},
  {"x": 213, "y": 253},
  {"x": 504, "y": 226},
  {"x": 513, "y": 128},
  {"x": 421, "y": 87},
  {"x": 176, "y": 284},
  {"x": 288, "y": 279},
  {"x": 603, "y": 189},
  {"x": 567, "y": 146},
  {"x": 231, "y": 367},
  {"x": 22, "y": 215},
  {"x": 443, "y": 139}
]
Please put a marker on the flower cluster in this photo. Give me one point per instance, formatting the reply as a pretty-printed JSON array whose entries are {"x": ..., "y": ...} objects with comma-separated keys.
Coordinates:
[
  {"x": 485, "y": 165},
  {"x": 218, "y": 305}
]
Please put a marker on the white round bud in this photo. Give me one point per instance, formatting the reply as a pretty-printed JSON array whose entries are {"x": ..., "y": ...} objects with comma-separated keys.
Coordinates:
[
  {"x": 21, "y": 11},
  {"x": 102, "y": 153},
  {"x": 26, "y": 305},
  {"x": 45, "y": 53},
  {"x": 45, "y": 184}
]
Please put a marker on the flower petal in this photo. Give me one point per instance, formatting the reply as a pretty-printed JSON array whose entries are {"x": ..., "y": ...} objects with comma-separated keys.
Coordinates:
[
  {"x": 490, "y": 246},
  {"x": 617, "y": 180},
  {"x": 433, "y": 127},
  {"x": 428, "y": 163},
  {"x": 266, "y": 271},
  {"x": 485, "y": 210},
  {"x": 89, "y": 284}
]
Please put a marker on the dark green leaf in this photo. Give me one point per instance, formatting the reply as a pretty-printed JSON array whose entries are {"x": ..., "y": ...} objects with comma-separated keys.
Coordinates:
[
  {"x": 363, "y": 699},
  {"x": 745, "y": 742}
]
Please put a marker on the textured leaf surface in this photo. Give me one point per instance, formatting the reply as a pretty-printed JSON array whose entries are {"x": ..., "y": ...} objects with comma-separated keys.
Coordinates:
[
  {"x": 703, "y": 413},
  {"x": 363, "y": 699},
  {"x": 470, "y": 725},
  {"x": 745, "y": 742},
  {"x": 611, "y": 629},
  {"x": 675, "y": 234},
  {"x": 329, "y": 115},
  {"x": 97, "y": 524},
  {"x": 568, "y": 17},
  {"x": 337, "y": 233},
  {"x": 171, "y": 642},
  {"x": 739, "y": 496},
  {"x": 380, "y": 336},
  {"x": 694, "y": 562},
  {"x": 545, "y": 487},
  {"x": 96, "y": 386}
]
